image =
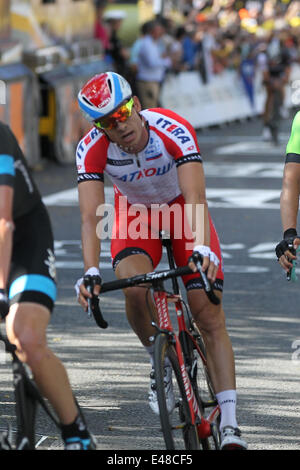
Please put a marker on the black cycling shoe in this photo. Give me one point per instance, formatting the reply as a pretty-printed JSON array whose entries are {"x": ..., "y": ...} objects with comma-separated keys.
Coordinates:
[{"x": 78, "y": 443}]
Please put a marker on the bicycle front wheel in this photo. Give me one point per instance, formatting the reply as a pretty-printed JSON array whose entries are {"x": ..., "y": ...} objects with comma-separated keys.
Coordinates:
[{"x": 177, "y": 427}]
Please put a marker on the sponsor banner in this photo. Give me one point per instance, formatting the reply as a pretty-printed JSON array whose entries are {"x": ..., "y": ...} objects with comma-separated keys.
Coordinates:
[{"x": 224, "y": 99}]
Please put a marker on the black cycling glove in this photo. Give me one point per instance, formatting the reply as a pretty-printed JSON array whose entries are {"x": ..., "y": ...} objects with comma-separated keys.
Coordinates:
[
  {"x": 4, "y": 306},
  {"x": 287, "y": 242}
]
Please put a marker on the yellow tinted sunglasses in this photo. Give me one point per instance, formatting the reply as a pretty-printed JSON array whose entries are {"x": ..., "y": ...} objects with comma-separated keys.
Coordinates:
[{"x": 120, "y": 115}]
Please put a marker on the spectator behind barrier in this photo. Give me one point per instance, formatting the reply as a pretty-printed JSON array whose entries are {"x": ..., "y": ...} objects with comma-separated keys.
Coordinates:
[
  {"x": 133, "y": 58},
  {"x": 100, "y": 30},
  {"x": 116, "y": 51},
  {"x": 151, "y": 65}
]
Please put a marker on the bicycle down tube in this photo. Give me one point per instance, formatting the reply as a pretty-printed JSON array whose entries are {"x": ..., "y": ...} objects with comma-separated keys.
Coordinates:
[{"x": 164, "y": 324}]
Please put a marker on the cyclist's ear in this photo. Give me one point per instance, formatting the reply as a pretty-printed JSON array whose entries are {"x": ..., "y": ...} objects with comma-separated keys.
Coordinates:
[{"x": 137, "y": 104}]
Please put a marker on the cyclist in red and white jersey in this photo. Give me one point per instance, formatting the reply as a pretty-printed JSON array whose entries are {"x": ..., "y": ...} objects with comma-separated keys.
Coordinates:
[{"x": 153, "y": 159}]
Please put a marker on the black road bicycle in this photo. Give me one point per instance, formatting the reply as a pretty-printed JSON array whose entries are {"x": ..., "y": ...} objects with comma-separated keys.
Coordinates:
[{"x": 27, "y": 400}]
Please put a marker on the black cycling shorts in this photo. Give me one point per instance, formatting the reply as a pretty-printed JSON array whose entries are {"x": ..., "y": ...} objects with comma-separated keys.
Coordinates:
[{"x": 32, "y": 275}]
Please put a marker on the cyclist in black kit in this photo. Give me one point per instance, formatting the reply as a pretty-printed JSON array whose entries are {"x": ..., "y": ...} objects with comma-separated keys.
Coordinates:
[
  {"x": 28, "y": 287},
  {"x": 276, "y": 77}
]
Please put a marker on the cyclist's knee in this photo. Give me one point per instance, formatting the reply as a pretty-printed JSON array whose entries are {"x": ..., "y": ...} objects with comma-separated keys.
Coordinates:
[
  {"x": 26, "y": 328},
  {"x": 32, "y": 346},
  {"x": 209, "y": 318},
  {"x": 135, "y": 298},
  {"x": 210, "y": 324}
]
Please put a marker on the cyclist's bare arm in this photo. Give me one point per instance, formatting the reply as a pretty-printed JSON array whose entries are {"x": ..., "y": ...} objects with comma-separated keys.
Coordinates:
[
  {"x": 6, "y": 230},
  {"x": 192, "y": 184},
  {"x": 289, "y": 206},
  {"x": 289, "y": 198},
  {"x": 91, "y": 195}
]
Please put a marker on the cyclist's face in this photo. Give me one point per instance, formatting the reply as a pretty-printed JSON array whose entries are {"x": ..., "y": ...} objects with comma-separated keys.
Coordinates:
[{"x": 131, "y": 134}]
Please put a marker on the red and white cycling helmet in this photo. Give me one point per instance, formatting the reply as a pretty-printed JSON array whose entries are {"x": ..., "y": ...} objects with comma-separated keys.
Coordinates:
[{"x": 102, "y": 94}]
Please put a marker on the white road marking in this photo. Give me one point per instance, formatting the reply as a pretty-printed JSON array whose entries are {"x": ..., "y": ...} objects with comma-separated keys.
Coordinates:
[
  {"x": 226, "y": 198},
  {"x": 244, "y": 170},
  {"x": 260, "y": 251},
  {"x": 243, "y": 198},
  {"x": 259, "y": 148},
  {"x": 221, "y": 139}
]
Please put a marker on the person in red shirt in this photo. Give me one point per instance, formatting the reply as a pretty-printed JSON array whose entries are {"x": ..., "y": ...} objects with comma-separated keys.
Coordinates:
[{"x": 100, "y": 30}]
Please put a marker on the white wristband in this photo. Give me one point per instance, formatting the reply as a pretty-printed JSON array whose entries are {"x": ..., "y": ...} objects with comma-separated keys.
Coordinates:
[
  {"x": 213, "y": 257},
  {"x": 90, "y": 272},
  {"x": 204, "y": 250}
]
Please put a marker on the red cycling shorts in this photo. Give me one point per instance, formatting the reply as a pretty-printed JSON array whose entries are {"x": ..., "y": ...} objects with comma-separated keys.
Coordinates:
[{"x": 136, "y": 231}]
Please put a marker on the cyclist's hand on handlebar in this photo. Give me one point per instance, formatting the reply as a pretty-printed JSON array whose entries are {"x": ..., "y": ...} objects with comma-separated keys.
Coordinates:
[
  {"x": 286, "y": 249},
  {"x": 210, "y": 262},
  {"x": 88, "y": 286}
]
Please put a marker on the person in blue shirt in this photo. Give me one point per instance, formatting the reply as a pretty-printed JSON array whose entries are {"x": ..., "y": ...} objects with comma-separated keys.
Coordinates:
[{"x": 151, "y": 65}]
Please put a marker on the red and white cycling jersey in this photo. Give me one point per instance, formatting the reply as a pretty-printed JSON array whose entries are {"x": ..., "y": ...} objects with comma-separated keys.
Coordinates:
[{"x": 149, "y": 177}]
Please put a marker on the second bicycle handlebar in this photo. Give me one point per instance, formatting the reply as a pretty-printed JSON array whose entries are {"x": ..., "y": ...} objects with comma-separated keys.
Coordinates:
[{"x": 149, "y": 278}]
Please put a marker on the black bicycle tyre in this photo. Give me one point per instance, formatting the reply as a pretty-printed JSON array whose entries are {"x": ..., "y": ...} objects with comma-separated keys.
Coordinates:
[
  {"x": 193, "y": 353},
  {"x": 162, "y": 350},
  {"x": 26, "y": 406}
]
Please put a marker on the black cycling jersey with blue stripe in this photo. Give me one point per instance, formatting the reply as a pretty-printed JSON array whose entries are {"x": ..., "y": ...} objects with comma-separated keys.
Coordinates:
[{"x": 14, "y": 172}]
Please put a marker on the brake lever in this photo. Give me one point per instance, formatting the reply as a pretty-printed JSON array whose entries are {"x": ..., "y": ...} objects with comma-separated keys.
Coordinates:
[
  {"x": 207, "y": 285},
  {"x": 291, "y": 274},
  {"x": 94, "y": 308}
]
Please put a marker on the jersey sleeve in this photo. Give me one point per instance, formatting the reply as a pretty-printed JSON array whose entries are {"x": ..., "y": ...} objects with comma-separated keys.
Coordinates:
[
  {"x": 7, "y": 170},
  {"x": 91, "y": 157},
  {"x": 293, "y": 146},
  {"x": 178, "y": 135}
]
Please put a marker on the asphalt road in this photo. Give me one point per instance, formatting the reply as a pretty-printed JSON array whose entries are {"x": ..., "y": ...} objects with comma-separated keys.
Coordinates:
[{"x": 109, "y": 370}]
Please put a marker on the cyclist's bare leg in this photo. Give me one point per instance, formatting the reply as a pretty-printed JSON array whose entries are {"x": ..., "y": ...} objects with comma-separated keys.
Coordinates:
[
  {"x": 26, "y": 326},
  {"x": 135, "y": 297},
  {"x": 210, "y": 320}
]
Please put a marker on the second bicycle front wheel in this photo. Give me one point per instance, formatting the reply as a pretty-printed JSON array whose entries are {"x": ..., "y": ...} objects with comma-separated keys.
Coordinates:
[{"x": 177, "y": 427}]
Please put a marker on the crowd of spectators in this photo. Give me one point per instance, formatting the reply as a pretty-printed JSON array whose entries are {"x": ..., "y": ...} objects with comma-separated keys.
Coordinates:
[{"x": 210, "y": 37}]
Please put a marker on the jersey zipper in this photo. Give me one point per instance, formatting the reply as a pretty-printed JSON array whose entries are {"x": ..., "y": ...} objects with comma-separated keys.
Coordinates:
[{"x": 137, "y": 160}]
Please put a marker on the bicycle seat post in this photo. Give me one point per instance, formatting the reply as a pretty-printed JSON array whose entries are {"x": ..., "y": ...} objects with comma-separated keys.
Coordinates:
[{"x": 167, "y": 243}]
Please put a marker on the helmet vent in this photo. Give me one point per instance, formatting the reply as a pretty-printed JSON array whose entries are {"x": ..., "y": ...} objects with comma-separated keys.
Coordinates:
[
  {"x": 109, "y": 84},
  {"x": 87, "y": 101}
]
